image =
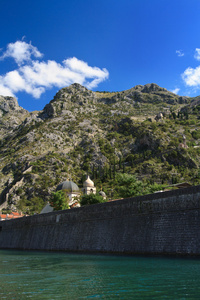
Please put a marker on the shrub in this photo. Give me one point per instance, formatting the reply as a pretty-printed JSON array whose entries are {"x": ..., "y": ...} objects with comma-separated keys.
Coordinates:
[
  {"x": 196, "y": 134},
  {"x": 59, "y": 200},
  {"x": 91, "y": 199}
]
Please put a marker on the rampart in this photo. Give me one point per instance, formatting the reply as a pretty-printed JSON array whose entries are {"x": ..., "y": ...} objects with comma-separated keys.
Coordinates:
[{"x": 161, "y": 223}]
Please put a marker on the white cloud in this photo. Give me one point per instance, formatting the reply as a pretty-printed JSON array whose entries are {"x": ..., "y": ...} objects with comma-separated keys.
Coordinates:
[
  {"x": 197, "y": 54},
  {"x": 5, "y": 91},
  {"x": 180, "y": 53},
  {"x": 21, "y": 52},
  {"x": 191, "y": 77},
  {"x": 175, "y": 91},
  {"x": 14, "y": 80},
  {"x": 36, "y": 76}
]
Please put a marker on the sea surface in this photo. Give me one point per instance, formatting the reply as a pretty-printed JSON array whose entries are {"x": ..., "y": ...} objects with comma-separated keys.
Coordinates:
[{"x": 50, "y": 275}]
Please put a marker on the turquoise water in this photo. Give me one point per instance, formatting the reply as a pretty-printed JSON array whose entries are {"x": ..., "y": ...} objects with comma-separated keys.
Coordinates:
[{"x": 41, "y": 275}]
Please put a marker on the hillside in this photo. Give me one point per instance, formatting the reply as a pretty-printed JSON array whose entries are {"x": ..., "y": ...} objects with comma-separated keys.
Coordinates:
[{"x": 146, "y": 131}]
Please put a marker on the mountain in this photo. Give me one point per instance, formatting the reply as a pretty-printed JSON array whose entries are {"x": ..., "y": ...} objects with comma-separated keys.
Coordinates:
[{"x": 146, "y": 131}]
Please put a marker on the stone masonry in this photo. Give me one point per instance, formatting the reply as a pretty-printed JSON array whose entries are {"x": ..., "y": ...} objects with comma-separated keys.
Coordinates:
[{"x": 161, "y": 223}]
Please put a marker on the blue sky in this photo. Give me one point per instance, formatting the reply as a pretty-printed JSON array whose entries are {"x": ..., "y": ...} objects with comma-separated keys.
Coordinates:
[{"x": 109, "y": 45}]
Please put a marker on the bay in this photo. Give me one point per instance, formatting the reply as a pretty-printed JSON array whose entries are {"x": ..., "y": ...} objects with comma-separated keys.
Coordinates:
[{"x": 59, "y": 275}]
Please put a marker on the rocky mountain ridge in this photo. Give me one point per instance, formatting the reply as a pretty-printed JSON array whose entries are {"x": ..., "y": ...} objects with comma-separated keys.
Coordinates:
[{"x": 81, "y": 130}]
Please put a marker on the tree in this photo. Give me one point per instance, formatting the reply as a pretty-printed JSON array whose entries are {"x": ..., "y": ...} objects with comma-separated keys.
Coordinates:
[
  {"x": 36, "y": 205},
  {"x": 91, "y": 199},
  {"x": 110, "y": 172},
  {"x": 114, "y": 169},
  {"x": 59, "y": 200},
  {"x": 174, "y": 115},
  {"x": 120, "y": 163},
  {"x": 123, "y": 167},
  {"x": 129, "y": 186},
  {"x": 93, "y": 171}
]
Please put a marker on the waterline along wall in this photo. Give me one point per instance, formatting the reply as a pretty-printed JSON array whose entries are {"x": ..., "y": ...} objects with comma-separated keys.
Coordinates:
[{"x": 161, "y": 223}]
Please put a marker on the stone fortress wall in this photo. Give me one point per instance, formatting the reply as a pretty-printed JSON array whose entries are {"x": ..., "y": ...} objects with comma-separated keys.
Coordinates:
[{"x": 160, "y": 223}]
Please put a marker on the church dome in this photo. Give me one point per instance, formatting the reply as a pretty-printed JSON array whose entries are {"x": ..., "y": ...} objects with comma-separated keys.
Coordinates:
[
  {"x": 88, "y": 182},
  {"x": 101, "y": 193},
  {"x": 69, "y": 186}
]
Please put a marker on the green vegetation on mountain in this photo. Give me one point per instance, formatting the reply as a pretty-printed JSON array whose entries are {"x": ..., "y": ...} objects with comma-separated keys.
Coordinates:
[{"x": 146, "y": 135}]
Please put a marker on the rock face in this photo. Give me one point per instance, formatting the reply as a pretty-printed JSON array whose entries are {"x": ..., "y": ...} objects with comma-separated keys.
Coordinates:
[
  {"x": 67, "y": 98},
  {"x": 153, "y": 93},
  {"x": 79, "y": 132},
  {"x": 11, "y": 115},
  {"x": 8, "y": 104}
]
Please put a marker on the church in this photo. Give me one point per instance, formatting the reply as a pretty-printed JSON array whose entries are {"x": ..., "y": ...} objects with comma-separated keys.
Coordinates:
[{"x": 73, "y": 192}]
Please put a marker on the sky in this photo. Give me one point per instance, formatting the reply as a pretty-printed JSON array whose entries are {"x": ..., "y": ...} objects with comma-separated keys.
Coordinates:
[{"x": 105, "y": 45}]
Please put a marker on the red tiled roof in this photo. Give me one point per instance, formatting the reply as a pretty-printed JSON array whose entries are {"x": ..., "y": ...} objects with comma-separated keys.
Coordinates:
[
  {"x": 2, "y": 216},
  {"x": 9, "y": 217},
  {"x": 12, "y": 215},
  {"x": 16, "y": 214}
]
